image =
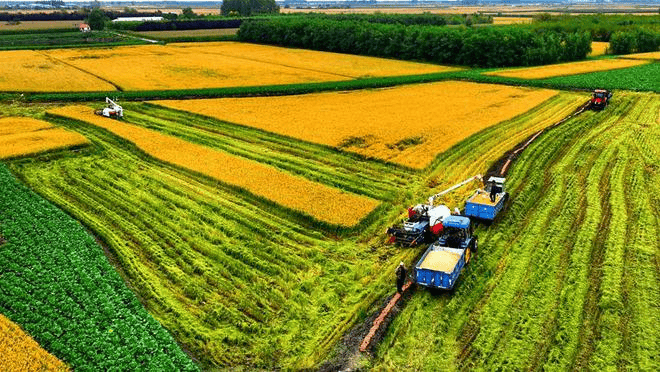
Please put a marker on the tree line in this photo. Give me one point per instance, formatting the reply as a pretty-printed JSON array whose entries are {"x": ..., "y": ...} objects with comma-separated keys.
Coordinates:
[{"x": 479, "y": 46}]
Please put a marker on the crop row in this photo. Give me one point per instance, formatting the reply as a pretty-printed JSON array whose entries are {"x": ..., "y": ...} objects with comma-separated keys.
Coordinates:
[
  {"x": 314, "y": 162},
  {"x": 564, "y": 280},
  {"x": 57, "y": 284}
]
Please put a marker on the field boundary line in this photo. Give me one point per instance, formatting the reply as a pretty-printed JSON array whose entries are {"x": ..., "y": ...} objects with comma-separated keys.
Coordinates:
[{"x": 54, "y": 59}]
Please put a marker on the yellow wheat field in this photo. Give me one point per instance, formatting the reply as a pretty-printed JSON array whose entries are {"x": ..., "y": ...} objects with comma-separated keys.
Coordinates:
[
  {"x": 27, "y": 136},
  {"x": 20, "y": 353},
  {"x": 320, "y": 201},
  {"x": 408, "y": 125},
  {"x": 563, "y": 69},
  {"x": 645, "y": 56},
  {"x": 227, "y": 64},
  {"x": 598, "y": 48},
  {"x": 31, "y": 71}
]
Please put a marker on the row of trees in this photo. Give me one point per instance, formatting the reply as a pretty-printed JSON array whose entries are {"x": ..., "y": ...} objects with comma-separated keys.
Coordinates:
[
  {"x": 482, "y": 46},
  {"x": 427, "y": 19}
]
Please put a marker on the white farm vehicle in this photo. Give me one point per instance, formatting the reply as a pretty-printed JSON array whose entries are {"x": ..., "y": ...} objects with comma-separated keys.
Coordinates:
[{"x": 113, "y": 110}]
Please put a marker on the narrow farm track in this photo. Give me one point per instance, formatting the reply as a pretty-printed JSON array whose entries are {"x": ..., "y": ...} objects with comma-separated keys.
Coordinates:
[{"x": 563, "y": 281}]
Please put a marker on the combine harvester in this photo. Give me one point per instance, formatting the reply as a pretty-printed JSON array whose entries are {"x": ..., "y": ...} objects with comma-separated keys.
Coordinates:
[
  {"x": 425, "y": 221},
  {"x": 113, "y": 110}
]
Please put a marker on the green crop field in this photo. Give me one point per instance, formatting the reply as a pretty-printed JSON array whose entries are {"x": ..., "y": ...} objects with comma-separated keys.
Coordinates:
[
  {"x": 112, "y": 258},
  {"x": 235, "y": 279},
  {"x": 568, "y": 278}
]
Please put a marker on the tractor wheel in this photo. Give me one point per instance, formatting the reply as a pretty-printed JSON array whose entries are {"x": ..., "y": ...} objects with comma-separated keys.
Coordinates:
[{"x": 473, "y": 246}]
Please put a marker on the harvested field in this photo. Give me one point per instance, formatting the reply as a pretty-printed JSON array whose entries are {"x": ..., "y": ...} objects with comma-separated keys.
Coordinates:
[
  {"x": 25, "y": 136},
  {"x": 213, "y": 65},
  {"x": 21, "y": 353},
  {"x": 655, "y": 56},
  {"x": 598, "y": 48},
  {"x": 324, "y": 203},
  {"x": 378, "y": 123},
  {"x": 39, "y": 25},
  {"x": 31, "y": 71},
  {"x": 564, "y": 69},
  {"x": 183, "y": 33}
]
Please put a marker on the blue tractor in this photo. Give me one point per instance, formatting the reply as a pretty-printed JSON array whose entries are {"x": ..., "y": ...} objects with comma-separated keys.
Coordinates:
[{"x": 444, "y": 260}]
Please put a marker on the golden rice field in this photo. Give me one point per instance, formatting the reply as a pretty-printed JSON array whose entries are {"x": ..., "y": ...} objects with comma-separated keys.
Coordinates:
[
  {"x": 182, "y": 33},
  {"x": 226, "y": 64},
  {"x": 319, "y": 201},
  {"x": 598, "y": 48},
  {"x": 511, "y": 20},
  {"x": 32, "y": 71},
  {"x": 21, "y": 353},
  {"x": 645, "y": 56},
  {"x": 26, "y": 136},
  {"x": 563, "y": 69},
  {"x": 347, "y": 65},
  {"x": 408, "y": 125}
]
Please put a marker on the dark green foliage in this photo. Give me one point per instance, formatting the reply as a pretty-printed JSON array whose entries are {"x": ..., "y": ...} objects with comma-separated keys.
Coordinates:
[
  {"x": 97, "y": 19},
  {"x": 600, "y": 27},
  {"x": 194, "y": 24},
  {"x": 249, "y": 7},
  {"x": 635, "y": 41},
  {"x": 424, "y": 19},
  {"x": 484, "y": 46},
  {"x": 57, "y": 284},
  {"x": 188, "y": 13}
]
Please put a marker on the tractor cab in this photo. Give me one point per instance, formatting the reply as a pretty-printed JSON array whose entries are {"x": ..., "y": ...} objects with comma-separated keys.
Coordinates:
[
  {"x": 600, "y": 98},
  {"x": 457, "y": 232}
]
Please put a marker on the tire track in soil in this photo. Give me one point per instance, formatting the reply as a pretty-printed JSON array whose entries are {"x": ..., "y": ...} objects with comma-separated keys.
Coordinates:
[
  {"x": 551, "y": 325},
  {"x": 471, "y": 329},
  {"x": 591, "y": 312}
]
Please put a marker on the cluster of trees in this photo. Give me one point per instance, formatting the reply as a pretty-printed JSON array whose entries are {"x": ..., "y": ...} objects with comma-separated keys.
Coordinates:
[
  {"x": 635, "y": 41},
  {"x": 246, "y": 8},
  {"x": 482, "y": 46}
]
